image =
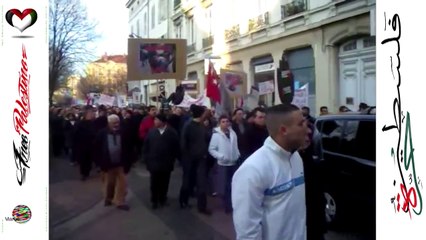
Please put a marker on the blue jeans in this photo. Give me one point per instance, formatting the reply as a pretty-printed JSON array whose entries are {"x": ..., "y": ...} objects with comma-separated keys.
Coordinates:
[{"x": 224, "y": 181}]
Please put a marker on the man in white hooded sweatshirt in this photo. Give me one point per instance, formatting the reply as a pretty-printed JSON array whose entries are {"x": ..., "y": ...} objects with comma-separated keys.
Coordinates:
[
  {"x": 224, "y": 148},
  {"x": 268, "y": 190}
]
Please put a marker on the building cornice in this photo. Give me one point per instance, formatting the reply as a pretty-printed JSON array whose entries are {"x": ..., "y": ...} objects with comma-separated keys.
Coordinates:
[{"x": 296, "y": 30}]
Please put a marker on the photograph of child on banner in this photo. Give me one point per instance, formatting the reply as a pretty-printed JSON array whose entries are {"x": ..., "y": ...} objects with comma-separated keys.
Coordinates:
[{"x": 157, "y": 58}]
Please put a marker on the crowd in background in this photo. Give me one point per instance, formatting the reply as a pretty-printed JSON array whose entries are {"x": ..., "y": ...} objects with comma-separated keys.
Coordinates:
[{"x": 208, "y": 148}]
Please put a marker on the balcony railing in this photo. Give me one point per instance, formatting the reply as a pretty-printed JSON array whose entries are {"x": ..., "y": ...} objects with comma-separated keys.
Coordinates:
[
  {"x": 208, "y": 41},
  {"x": 232, "y": 33},
  {"x": 293, "y": 8},
  {"x": 258, "y": 22},
  {"x": 190, "y": 48}
]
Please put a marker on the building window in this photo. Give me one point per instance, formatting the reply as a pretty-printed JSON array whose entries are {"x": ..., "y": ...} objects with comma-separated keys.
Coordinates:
[
  {"x": 192, "y": 76},
  {"x": 153, "y": 17},
  {"x": 369, "y": 42},
  {"x": 302, "y": 66},
  {"x": 191, "y": 30},
  {"x": 137, "y": 28},
  {"x": 178, "y": 31},
  {"x": 176, "y": 3},
  {"x": 209, "y": 19},
  {"x": 162, "y": 11},
  {"x": 290, "y": 8},
  {"x": 350, "y": 46},
  {"x": 145, "y": 25}
]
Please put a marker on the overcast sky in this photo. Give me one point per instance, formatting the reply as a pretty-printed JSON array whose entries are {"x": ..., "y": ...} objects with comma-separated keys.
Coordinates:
[{"x": 112, "y": 17}]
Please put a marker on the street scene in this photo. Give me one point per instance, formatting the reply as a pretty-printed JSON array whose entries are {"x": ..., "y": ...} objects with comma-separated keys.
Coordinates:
[
  {"x": 192, "y": 119},
  {"x": 77, "y": 212}
]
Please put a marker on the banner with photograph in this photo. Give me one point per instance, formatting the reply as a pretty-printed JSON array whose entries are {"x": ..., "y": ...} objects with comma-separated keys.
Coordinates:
[
  {"x": 24, "y": 115},
  {"x": 251, "y": 101},
  {"x": 301, "y": 96},
  {"x": 266, "y": 87},
  {"x": 234, "y": 82},
  {"x": 156, "y": 59}
]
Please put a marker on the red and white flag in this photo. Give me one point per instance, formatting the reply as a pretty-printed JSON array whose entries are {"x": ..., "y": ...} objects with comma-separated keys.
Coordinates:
[{"x": 212, "y": 84}]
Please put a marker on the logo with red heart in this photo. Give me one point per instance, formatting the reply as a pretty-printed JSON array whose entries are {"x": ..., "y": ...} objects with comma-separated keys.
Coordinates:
[{"x": 21, "y": 20}]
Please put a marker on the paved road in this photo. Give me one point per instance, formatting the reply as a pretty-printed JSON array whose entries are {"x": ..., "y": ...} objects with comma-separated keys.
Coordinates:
[{"x": 77, "y": 212}]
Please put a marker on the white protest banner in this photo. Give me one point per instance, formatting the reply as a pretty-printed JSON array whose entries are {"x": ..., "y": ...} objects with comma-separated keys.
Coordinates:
[
  {"x": 301, "y": 96},
  {"x": 106, "y": 100},
  {"x": 188, "y": 101},
  {"x": 266, "y": 87}
]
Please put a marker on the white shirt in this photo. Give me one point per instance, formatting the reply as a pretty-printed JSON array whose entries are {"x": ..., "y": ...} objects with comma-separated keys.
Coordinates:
[
  {"x": 224, "y": 149},
  {"x": 268, "y": 195},
  {"x": 162, "y": 130}
]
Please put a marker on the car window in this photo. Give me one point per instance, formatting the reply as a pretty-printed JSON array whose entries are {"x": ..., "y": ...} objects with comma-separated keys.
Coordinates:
[
  {"x": 359, "y": 139},
  {"x": 331, "y": 131}
]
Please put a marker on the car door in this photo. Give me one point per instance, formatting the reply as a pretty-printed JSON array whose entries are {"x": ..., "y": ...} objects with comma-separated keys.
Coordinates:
[
  {"x": 331, "y": 131},
  {"x": 357, "y": 169}
]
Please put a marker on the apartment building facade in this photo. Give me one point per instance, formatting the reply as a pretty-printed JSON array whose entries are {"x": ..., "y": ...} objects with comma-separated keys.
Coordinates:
[
  {"x": 149, "y": 19},
  {"x": 330, "y": 44}
]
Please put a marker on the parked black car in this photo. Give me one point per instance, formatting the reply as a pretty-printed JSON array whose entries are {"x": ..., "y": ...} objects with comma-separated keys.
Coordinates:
[{"x": 346, "y": 149}]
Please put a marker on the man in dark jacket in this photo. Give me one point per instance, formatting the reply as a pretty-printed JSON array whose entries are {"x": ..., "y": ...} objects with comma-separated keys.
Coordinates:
[
  {"x": 256, "y": 133},
  {"x": 101, "y": 121},
  {"x": 194, "y": 147},
  {"x": 176, "y": 120},
  {"x": 315, "y": 200},
  {"x": 83, "y": 142},
  {"x": 136, "y": 120},
  {"x": 114, "y": 156},
  {"x": 240, "y": 126},
  {"x": 307, "y": 114},
  {"x": 160, "y": 149}
]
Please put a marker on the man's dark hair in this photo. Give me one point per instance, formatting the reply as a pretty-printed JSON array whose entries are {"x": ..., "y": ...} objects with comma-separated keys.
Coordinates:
[
  {"x": 258, "y": 109},
  {"x": 236, "y": 110},
  {"x": 277, "y": 115},
  {"x": 224, "y": 116},
  {"x": 151, "y": 107},
  {"x": 363, "y": 106},
  {"x": 323, "y": 107},
  {"x": 306, "y": 108},
  {"x": 102, "y": 108},
  {"x": 343, "y": 109}
]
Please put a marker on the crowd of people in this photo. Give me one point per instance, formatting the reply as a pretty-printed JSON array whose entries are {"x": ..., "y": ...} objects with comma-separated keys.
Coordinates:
[{"x": 260, "y": 163}]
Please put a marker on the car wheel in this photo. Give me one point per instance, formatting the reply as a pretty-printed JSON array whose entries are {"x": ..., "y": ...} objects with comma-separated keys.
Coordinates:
[{"x": 330, "y": 208}]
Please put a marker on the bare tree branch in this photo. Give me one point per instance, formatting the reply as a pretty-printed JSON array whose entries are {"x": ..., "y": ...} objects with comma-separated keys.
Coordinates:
[{"x": 70, "y": 33}]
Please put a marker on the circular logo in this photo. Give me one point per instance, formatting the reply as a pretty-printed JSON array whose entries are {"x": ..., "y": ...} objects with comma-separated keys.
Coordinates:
[{"x": 21, "y": 214}]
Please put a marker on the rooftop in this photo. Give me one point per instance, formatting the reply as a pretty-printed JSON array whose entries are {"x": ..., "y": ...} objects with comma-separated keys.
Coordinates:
[{"x": 114, "y": 58}]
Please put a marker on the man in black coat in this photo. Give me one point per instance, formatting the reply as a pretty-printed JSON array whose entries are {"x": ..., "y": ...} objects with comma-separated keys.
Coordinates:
[
  {"x": 256, "y": 133},
  {"x": 315, "y": 201},
  {"x": 194, "y": 147},
  {"x": 136, "y": 120},
  {"x": 176, "y": 120},
  {"x": 114, "y": 155},
  {"x": 240, "y": 126},
  {"x": 83, "y": 142},
  {"x": 160, "y": 149},
  {"x": 101, "y": 121},
  {"x": 307, "y": 114}
]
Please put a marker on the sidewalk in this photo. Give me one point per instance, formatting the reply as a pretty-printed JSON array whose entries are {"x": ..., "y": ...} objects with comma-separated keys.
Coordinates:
[
  {"x": 108, "y": 223},
  {"x": 68, "y": 195}
]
